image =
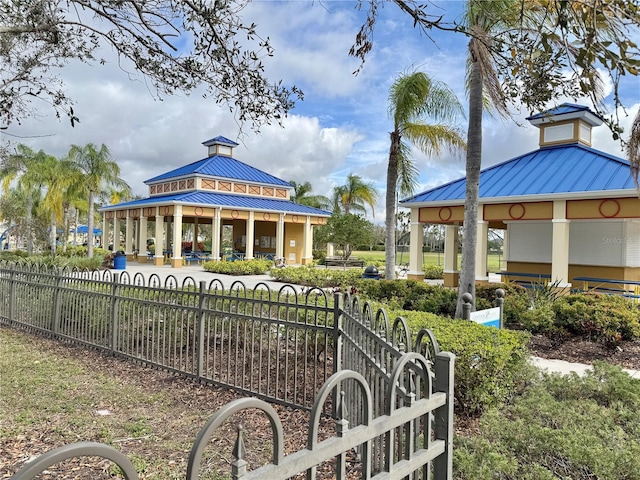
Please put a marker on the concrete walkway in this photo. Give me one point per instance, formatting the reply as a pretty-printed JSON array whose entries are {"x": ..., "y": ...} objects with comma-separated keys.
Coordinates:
[{"x": 252, "y": 281}]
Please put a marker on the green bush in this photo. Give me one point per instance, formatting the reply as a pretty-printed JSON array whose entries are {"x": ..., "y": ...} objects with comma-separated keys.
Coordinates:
[
  {"x": 607, "y": 318},
  {"x": 411, "y": 295},
  {"x": 239, "y": 267},
  {"x": 433, "y": 272},
  {"x": 538, "y": 319},
  {"x": 491, "y": 365},
  {"x": 317, "y": 277},
  {"x": 516, "y": 300},
  {"x": 562, "y": 427}
]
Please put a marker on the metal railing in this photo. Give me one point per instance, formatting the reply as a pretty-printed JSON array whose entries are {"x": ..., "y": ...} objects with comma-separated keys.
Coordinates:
[{"x": 281, "y": 346}]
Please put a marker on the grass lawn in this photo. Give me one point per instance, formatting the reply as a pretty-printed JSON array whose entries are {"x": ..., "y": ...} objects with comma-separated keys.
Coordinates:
[{"x": 495, "y": 262}]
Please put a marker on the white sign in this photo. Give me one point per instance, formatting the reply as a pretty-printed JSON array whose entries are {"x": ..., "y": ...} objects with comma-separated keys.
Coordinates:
[{"x": 489, "y": 317}]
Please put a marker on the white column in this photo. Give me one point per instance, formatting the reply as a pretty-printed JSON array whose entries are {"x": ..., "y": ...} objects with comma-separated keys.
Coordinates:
[
  {"x": 307, "y": 243},
  {"x": 481, "y": 249},
  {"x": 196, "y": 233},
  {"x": 177, "y": 235},
  {"x": 215, "y": 234},
  {"x": 560, "y": 248},
  {"x": 250, "y": 237},
  {"x": 106, "y": 231},
  {"x": 451, "y": 249},
  {"x": 116, "y": 232},
  {"x": 142, "y": 235},
  {"x": 128, "y": 235},
  {"x": 159, "y": 255},
  {"x": 280, "y": 237},
  {"x": 330, "y": 249},
  {"x": 416, "y": 239}
]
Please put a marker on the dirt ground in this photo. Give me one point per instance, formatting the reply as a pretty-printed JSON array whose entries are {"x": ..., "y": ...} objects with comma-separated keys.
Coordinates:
[{"x": 578, "y": 350}]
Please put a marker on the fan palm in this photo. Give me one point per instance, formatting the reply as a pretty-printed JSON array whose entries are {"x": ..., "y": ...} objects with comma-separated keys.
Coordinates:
[
  {"x": 353, "y": 195},
  {"x": 302, "y": 195},
  {"x": 98, "y": 171},
  {"x": 413, "y": 99}
]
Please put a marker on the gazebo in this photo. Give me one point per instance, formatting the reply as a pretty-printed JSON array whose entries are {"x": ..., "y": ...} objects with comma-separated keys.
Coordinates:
[
  {"x": 567, "y": 210},
  {"x": 249, "y": 208}
]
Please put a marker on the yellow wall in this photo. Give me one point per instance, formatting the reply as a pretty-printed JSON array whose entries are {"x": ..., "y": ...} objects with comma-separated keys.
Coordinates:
[
  {"x": 518, "y": 211},
  {"x": 442, "y": 214},
  {"x": 293, "y": 232},
  {"x": 604, "y": 208},
  {"x": 266, "y": 229},
  {"x": 616, "y": 273}
]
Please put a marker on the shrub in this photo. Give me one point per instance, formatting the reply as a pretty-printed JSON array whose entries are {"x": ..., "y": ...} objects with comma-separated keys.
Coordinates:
[
  {"x": 538, "y": 319},
  {"x": 411, "y": 295},
  {"x": 433, "y": 272},
  {"x": 317, "y": 277},
  {"x": 607, "y": 318},
  {"x": 562, "y": 427},
  {"x": 516, "y": 300},
  {"x": 491, "y": 365},
  {"x": 240, "y": 267}
]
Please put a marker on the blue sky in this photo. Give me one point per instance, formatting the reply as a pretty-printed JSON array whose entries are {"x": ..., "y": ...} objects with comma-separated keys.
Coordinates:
[{"x": 341, "y": 127}]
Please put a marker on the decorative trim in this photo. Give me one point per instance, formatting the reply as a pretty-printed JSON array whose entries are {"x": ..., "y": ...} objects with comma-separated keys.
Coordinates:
[
  {"x": 517, "y": 216},
  {"x": 442, "y": 214},
  {"x": 604, "y": 202}
]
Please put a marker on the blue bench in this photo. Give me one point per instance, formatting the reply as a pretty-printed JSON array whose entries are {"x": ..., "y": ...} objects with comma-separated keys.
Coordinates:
[
  {"x": 523, "y": 282},
  {"x": 610, "y": 286}
]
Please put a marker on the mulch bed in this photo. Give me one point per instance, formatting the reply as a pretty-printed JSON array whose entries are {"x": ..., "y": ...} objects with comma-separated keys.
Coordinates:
[{"x": 579, "y": 350}]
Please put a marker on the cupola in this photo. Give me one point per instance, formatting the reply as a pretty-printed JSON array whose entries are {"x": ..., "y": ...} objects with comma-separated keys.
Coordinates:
[
  {"x": 564, "y": 124},
  {"x": 220, "y": 146}
]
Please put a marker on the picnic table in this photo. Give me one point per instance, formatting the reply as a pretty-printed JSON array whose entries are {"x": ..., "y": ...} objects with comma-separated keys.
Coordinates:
[
  {"x": 528, "y": 279},
  {"x": 611, "y": 286},
  {"x": 339, "y": 261}
]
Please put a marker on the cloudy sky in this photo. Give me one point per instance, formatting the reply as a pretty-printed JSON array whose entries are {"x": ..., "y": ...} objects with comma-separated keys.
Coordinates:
[{"x": 341, "y": 127}]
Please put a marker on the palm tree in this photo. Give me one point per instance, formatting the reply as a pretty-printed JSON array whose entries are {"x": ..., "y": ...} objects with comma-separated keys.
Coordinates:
[
  {"x": 483, "y": 89},
  {"x": 16, "y": 167},
  {"x": 413, "y": 99},
  {"x": 633, "y": 149},
  {"x": 354, "y": 195},
  {"x": 98, "y": 171},
  {"x": 59, "y": 177},
  {"x": 301, "y": 195}
]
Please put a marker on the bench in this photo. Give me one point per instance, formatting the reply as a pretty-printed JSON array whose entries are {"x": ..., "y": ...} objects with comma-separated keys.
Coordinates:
[
  {"x": 196, "y": 257},
  {"x": 610, "y": 286},
  {"x": 337, "y": 262},
  {"x": 534, "y": 278}
]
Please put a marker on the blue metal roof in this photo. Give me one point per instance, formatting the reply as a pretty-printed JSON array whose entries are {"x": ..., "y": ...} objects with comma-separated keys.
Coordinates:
[
  {"x": 220, "y": 166},
  {"x": 224, "y": 200},
  {"x": 220, "y": 140},
  {"x": 561, "y": 109},
  {"x": 562, "y": 169}
]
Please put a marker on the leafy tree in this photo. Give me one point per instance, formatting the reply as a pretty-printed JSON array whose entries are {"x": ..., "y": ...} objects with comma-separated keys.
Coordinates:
[
  {"x": 302, "y": 195},
  {"x": 176, "y": 45},
  {"x": 98, "y": 171},
  {"x": 21, "y": 167},
  {"x": 413, "y": 100},
  {"x": 354, "y": 195},
  {"x": 344, "y": 230}
]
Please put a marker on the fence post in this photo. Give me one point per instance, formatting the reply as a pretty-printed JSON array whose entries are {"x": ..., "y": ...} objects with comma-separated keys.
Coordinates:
[
  {"x": 467, "y": 300},
  {"x": 443, "y": 416},
  {"x": 500, "y": 302},
  {"x": 337, "y": 346},
  {"x": 12, "y": 296},
  {"x": 115, "y": 290},
  {"x": 200, "y": 320},
  {"x": 55, "y": 320}
]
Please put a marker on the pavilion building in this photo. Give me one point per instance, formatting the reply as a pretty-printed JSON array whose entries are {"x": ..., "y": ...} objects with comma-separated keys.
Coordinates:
[
  {"x": 567, "y": 210},
  {"x": 230, "y": 199}
]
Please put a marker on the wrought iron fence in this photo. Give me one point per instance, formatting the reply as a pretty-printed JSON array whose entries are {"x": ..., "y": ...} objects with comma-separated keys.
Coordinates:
[
  {"x": 281, "y": 346},
  {"x": 277, "y": 345}
]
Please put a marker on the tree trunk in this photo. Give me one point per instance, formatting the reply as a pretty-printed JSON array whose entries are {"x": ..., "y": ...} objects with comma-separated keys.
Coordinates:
[
  {"x": 390, "y": 205},
  {"x": 53, "y": 234},
  {"x": 28, "y": 223},
  {"x": 473, "y": 164},
  {"x": 90, "y": 227}
]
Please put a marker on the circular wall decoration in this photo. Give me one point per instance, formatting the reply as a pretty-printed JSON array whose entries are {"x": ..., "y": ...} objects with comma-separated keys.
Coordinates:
[
  {"x": 266, "y": 216},
  {"x": 235, "y": 214},
  {"x": 609, "y": 208},
  {"x": 516, "y": 211},
  {"x": 148, "y": 212},
  {"x": 166, "y": 210},
  {"x": 294, "y": 218},
  {"x": 198, "y": 211},
  {"x": 445, "y": 214},
  {"x": 322, "y": 221}
]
